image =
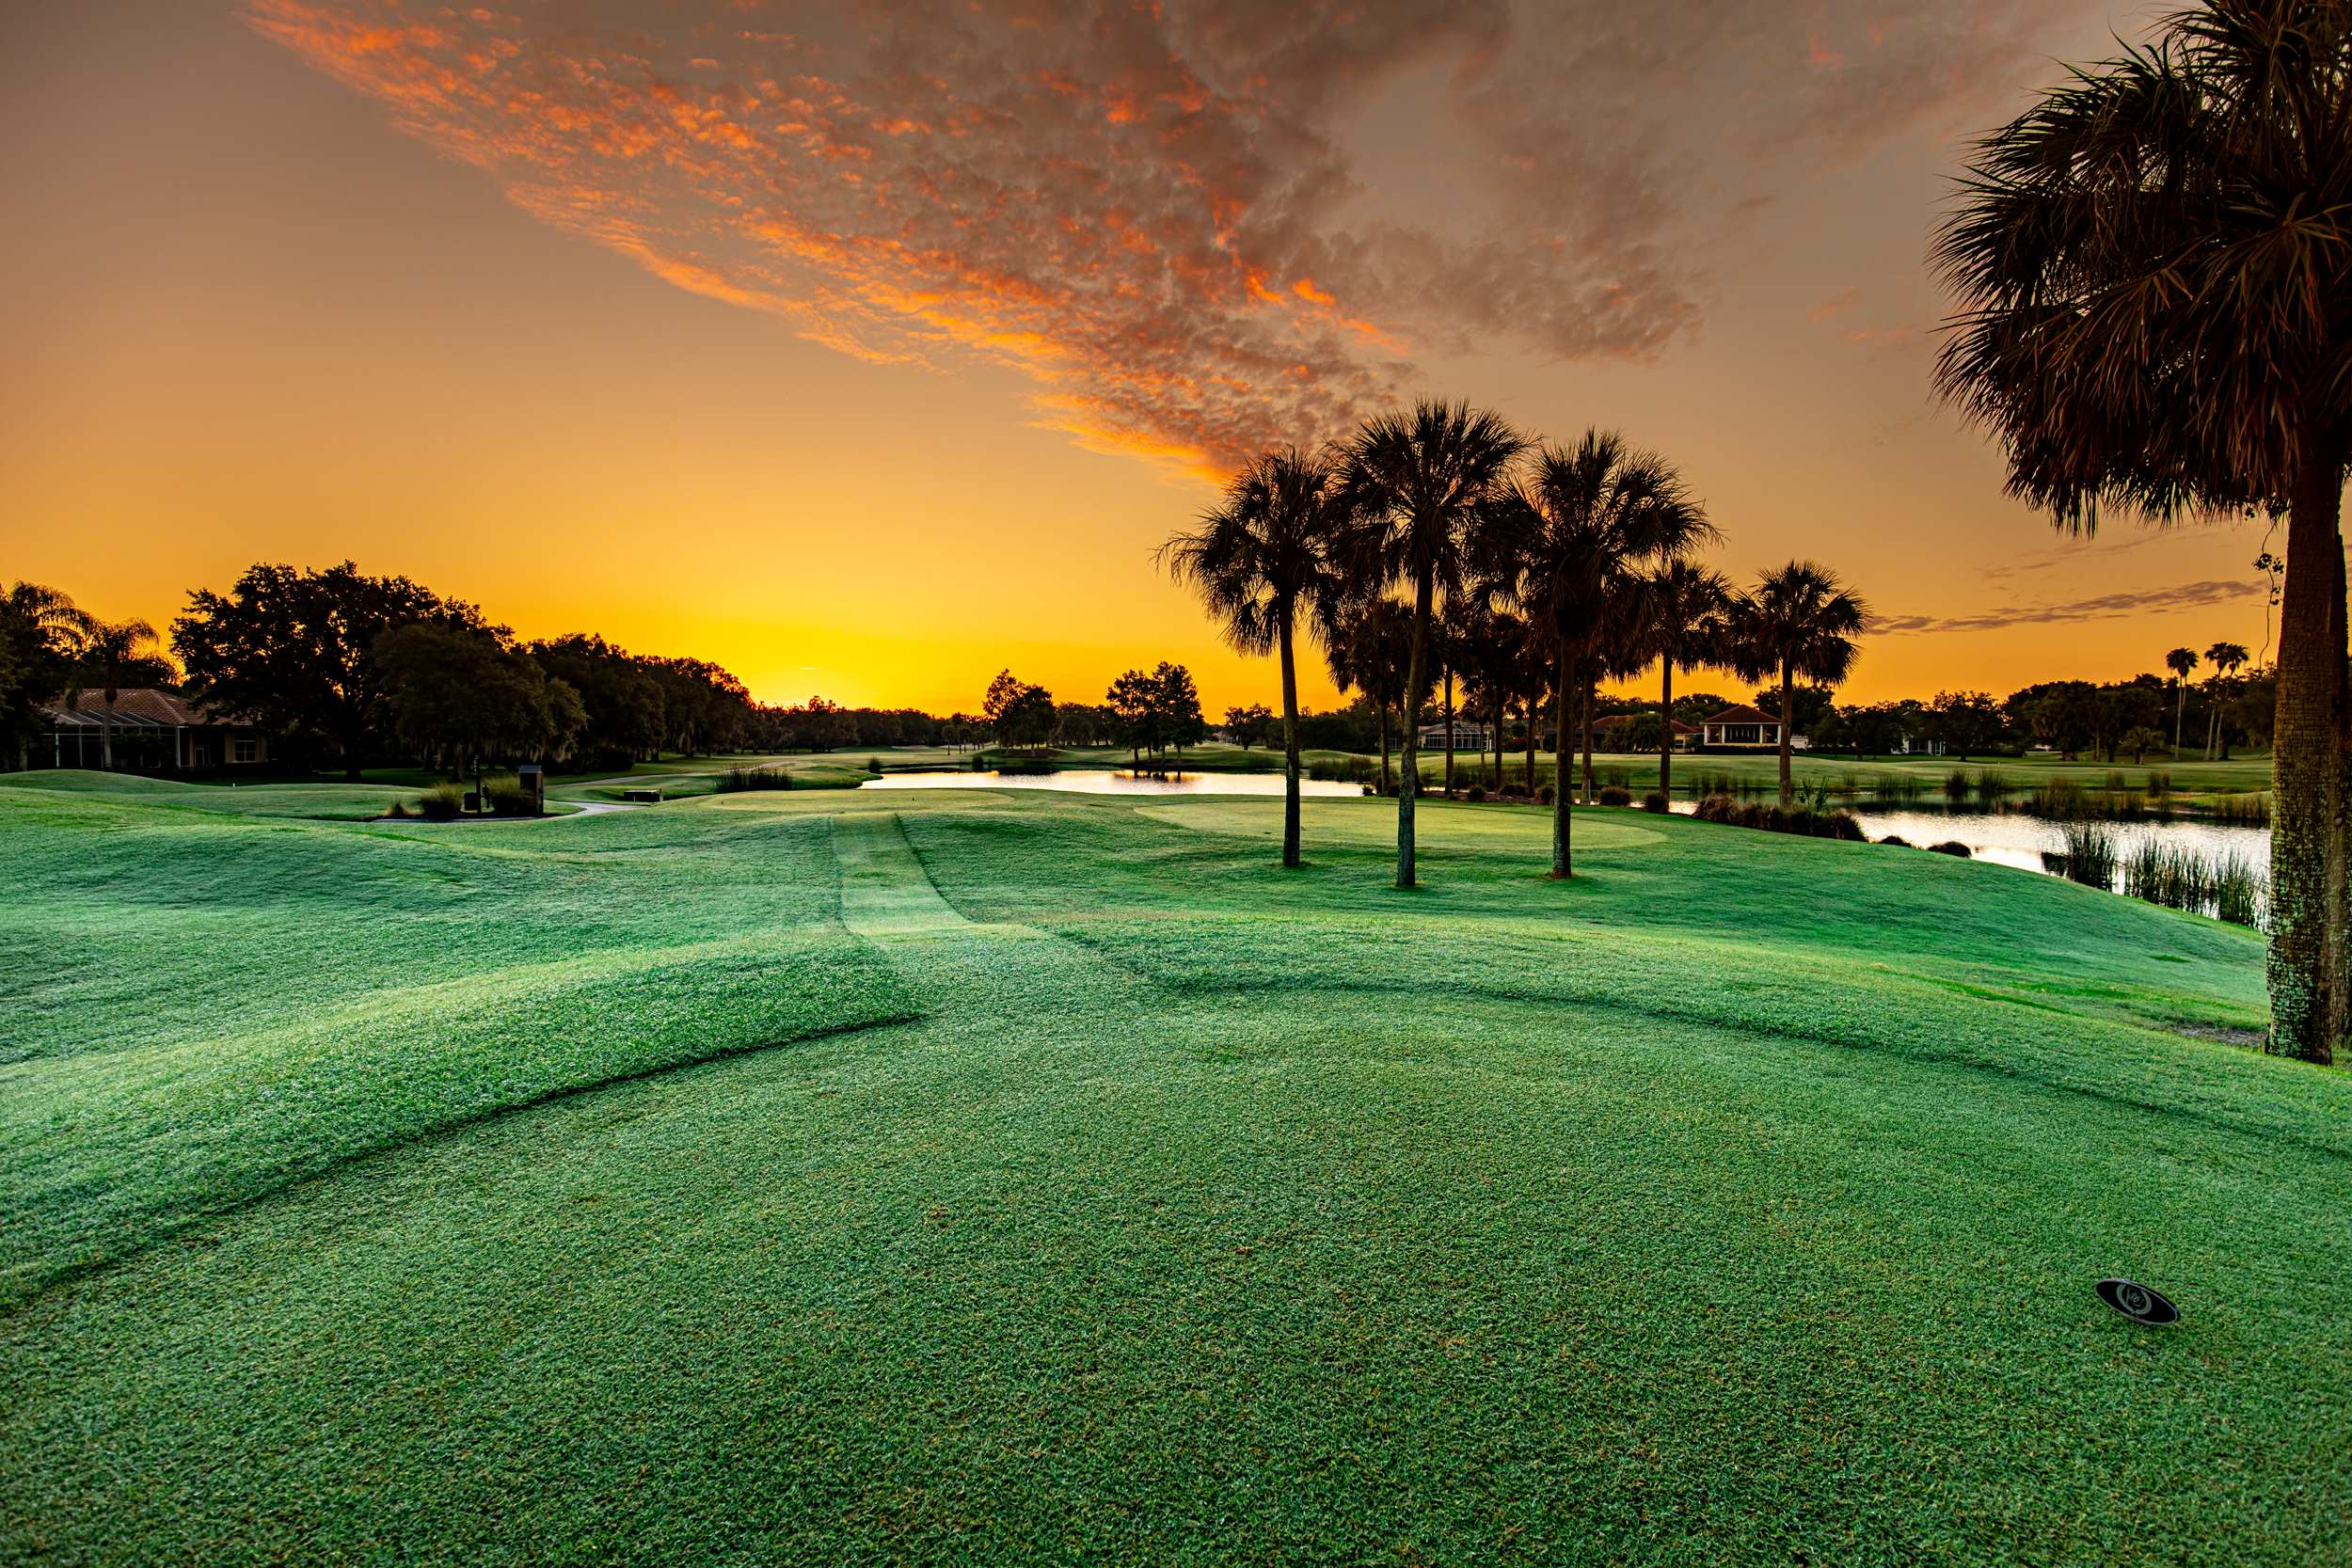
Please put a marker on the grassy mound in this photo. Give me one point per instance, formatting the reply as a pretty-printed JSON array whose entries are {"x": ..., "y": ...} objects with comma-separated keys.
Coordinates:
[{"x": 1739, "y": 1201}]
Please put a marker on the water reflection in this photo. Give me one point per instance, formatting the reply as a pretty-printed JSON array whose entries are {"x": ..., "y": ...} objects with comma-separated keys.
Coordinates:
[{"x": 1120, "y": 782}]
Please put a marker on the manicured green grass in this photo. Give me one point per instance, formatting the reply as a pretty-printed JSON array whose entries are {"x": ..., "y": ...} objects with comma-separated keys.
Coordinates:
[{"x": 990, "y": 1176}]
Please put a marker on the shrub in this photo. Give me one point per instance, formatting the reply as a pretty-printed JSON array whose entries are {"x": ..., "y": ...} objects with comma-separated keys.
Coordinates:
[
  {"x": 873, "y": 766},
  {"x": 1897, "y": 839},
  {"x": 396, "y": 809},
  {"x": 1543, "y": 794},
  {"x": 1476, "y": 795},
  {"x": 507, "y": 796},
  {"x": 1615, "y": 795},
  {"x": 1951, "y": 846},
  {"x": 441, "y": 802},
  {"x": 1656, "y": 802},
  {"x": 740, "y": 778}
]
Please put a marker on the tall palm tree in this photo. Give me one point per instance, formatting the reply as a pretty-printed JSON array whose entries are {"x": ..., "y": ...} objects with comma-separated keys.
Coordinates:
[
  {"x": 2181, "y": 661},
  {"x": 1683, "y": 605},
  {"x": 1262, "y": 561},
  {"x": 1798, "y": 621},
  {"x": 1416, "y": 482},
  {"x": 2155, "y": 314},
  {"x": 1584, "y": 520},
  {"x": 2227, "y": 658},
  {"x": 108, "y": 648}
]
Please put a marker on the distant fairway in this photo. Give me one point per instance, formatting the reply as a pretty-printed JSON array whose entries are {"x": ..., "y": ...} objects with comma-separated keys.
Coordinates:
[{"x": 997, "y": 1176}]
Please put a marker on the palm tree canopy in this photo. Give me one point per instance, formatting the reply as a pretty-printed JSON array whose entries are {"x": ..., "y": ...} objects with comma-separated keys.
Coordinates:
[
  {"x": 1265, "y": 553},
  {"x": 2181, "y": 661},
  {"x": 1367, "y": 644},
  {"x": 1587, "y": 514},
  {"x": 2226, "y": 656},
  {"x": 2153, "y": 266},
  {"x": 1683, "y": 607},
  {"x": 1413, "y": 481},
  {"x": 1800, "y": 617}
]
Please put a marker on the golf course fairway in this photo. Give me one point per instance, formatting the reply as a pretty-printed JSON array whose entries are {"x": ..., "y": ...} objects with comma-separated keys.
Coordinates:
[{"x": 1003, "y": 1177}]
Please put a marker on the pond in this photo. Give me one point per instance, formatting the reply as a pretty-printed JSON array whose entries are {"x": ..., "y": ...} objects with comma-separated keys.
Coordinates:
[{"x": 1078, "y": 780}]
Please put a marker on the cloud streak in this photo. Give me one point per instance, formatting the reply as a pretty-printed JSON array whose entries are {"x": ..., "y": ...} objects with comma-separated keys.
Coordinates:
[
  {"x": 2104, "y": 607},
  {"x": 1171, "y": 219}
]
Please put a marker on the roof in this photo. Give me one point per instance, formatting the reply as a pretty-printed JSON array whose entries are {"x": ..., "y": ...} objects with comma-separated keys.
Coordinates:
[
  {"x": 136, "y": 707},
  {"x": 1742, "y": 715},
  {"x": 1610, "y": 721}
]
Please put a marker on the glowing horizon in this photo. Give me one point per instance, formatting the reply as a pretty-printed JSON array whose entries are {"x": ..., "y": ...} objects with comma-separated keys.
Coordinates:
[{"x": 867, "y": 360}]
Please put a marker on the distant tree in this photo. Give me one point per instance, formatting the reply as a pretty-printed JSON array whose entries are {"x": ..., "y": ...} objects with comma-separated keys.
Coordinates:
[
  {"x": 1871, "y": 731},
  {"x": 1003, "y": 693},
  {"x": 621, "y": 700},
  {"x": 1368, "y": 649},
  {"x": 1253, "y": 725},
  {"x": 1798, "y": 620},
  {"x": 1415, "y": 485},
  {"x": 1133, "y": 700},
  {"x": 1968, "y": 723},
  {"x": 457, "y": 695},
  {"x": 1029, "y": 718},
  {"x": 2227, "y": 659},
  {"x": 105, "y": 654},
  {"x": 294, "y": 649},
  {"x": 1177, "y": 704},
  {"x": 2140, "y": 740},
  {"x": 2182, "y": 662},
  {"x": 1264, "y": 562}
]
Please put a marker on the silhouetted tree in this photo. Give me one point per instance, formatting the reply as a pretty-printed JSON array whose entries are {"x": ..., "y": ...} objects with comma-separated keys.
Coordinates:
[{"x": 1798, "y": 620}]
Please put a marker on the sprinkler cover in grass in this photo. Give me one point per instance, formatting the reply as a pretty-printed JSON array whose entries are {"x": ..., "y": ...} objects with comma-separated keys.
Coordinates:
[{"x": 2142, "y": 1304}]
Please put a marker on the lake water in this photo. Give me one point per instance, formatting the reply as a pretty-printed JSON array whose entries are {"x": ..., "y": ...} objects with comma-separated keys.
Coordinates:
[{"x": 1077, "y": 781}]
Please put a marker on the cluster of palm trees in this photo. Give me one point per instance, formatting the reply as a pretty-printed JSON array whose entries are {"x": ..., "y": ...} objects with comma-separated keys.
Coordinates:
[
  {"x": 2227, "y": 659},
  {"x": 1442, "y": 543}
]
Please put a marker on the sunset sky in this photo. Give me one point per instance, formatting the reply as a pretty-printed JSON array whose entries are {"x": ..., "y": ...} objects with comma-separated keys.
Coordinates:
[{"x": 866, "y": 349}]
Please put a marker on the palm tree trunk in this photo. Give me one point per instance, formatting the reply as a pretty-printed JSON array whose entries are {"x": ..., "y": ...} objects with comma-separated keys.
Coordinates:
[
  {"x": 1499, "y": 707},
  {"x": 2306, "y": 962},
  {"x": 2180, "y": 710},
  {"x": 1666, "y": 725},
  {"x": 1290, "y": 743},
  {"x": 1449, "y": 731},
  {"x": 1381, "y": 710},
  {"x": 1527, "y": 705},
  {"x": 1408, "y": 769},
  {"x": 1591, "y": 694},
  {"x": 1787, "y": 705},
  {"x": 1560, "y": 754}
]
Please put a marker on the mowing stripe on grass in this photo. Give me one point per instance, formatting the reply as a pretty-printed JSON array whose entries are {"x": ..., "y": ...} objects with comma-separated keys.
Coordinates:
[{"x": 884, "y": 890}]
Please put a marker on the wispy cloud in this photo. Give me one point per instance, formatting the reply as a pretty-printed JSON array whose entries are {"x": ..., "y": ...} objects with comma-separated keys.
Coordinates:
[
  {"x": 2104, "y": 607},
  {"x": 1152, "y": 210},
  {"x": 1837, "y": 304}
]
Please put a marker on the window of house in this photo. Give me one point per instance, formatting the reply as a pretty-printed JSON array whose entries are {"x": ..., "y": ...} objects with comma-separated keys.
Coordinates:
[{"x": 244, "y": 749}]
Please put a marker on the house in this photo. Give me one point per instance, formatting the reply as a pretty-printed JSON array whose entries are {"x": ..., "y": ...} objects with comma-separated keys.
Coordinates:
[
  {"x": 1609, "y": 732},
  {"x": 154, "y": 732},
  {"x": 1468, "y": 737},
  {"x": 1742, "y": 728},
  {"x": 1918, "y": 746}
]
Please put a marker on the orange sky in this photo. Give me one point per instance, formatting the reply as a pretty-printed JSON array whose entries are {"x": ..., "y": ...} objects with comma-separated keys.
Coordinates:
[{"x": 866, "y": 363}]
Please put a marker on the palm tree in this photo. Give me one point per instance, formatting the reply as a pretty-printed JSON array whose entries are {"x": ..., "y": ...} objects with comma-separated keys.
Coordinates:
[
  {"x": 1262, "y": 560},
  {"x": 2155, "y": 314},
  {"x": 108, "y": 649},
  {"x": 40, "y": 629},
  {"x": 1683, "y": 605},
  {"x": 2181, "y": 661},
  {"x": 1798, "y": 620},
  {"x": 1584, "y": 521},
  {"x": 1415, "y": 484},
  {"x": 2227, "y": 658}
]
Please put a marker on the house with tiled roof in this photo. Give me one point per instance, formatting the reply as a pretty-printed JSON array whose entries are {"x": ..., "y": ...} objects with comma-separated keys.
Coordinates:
[{"x": 154, "y": 732}]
